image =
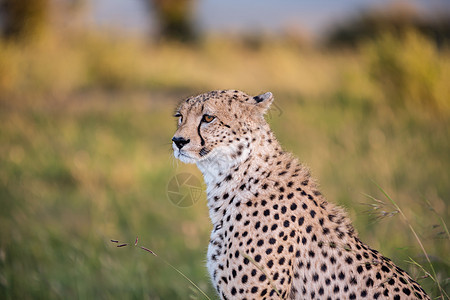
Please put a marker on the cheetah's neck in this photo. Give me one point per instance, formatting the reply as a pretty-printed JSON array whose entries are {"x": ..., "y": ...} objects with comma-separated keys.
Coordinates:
[{"x": 226, "y": 173}]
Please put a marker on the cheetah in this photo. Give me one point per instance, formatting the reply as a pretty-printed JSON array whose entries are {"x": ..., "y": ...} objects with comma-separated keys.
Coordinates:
[{"x": 274, "y": 235}]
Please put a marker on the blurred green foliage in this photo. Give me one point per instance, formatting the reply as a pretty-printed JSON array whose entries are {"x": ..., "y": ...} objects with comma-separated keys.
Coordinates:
[
  {"x": 408, "y": 71},
  {"x": 395, "y": 70},
  {"x": 85, "y": 153}
]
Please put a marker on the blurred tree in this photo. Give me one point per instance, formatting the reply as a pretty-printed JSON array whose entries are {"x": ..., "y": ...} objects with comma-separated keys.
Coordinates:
[
  {"x": 397, "y": 19},
  {"x": 175, "y": 18},
  {"x": 23, "y": 19}
]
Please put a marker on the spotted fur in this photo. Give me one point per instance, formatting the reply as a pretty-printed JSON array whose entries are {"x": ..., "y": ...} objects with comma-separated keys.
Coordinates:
[{"x": 274, "y": 235}]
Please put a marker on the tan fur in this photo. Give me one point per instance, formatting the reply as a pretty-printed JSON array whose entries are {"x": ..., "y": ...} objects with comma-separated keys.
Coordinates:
[{"x": 274, "y": 235}]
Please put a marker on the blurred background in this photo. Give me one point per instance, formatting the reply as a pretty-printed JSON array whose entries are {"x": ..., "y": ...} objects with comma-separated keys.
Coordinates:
[{"x": 87, "y": 92}]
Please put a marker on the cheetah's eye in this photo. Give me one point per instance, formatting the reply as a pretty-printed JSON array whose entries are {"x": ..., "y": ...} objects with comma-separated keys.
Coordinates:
[
  {"x": 208, "y": 118},
  {"x": 180, "y": 117}
]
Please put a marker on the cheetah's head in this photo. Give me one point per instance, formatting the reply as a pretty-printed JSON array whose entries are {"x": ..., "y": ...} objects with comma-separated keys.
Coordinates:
[{"x": 218, "y": 125}]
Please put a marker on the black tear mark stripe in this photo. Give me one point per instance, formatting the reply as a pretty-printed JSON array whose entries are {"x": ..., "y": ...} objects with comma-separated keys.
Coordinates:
[{"x": 202, "y": 141}]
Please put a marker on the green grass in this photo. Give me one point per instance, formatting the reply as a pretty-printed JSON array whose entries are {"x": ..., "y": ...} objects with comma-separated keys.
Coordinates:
[{"x": 80, "y": 166}]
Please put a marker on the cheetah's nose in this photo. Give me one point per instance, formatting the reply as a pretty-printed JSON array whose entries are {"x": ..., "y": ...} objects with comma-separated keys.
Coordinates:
[{"x": 180, "y": 141}]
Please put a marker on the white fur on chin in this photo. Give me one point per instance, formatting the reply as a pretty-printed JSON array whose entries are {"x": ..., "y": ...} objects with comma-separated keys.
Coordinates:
[{"x": 183, "y": 156}]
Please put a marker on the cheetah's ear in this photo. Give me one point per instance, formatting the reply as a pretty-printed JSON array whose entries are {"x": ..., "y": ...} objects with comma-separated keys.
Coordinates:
[{"x": 263, "y": 101}]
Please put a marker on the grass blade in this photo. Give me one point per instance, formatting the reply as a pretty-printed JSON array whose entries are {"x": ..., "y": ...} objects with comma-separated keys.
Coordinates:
[{"x": 405, "y": 219}]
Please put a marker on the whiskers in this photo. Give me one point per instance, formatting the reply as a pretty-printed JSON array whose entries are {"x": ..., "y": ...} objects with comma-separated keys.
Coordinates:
[{"x": 175, "y": 161}]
